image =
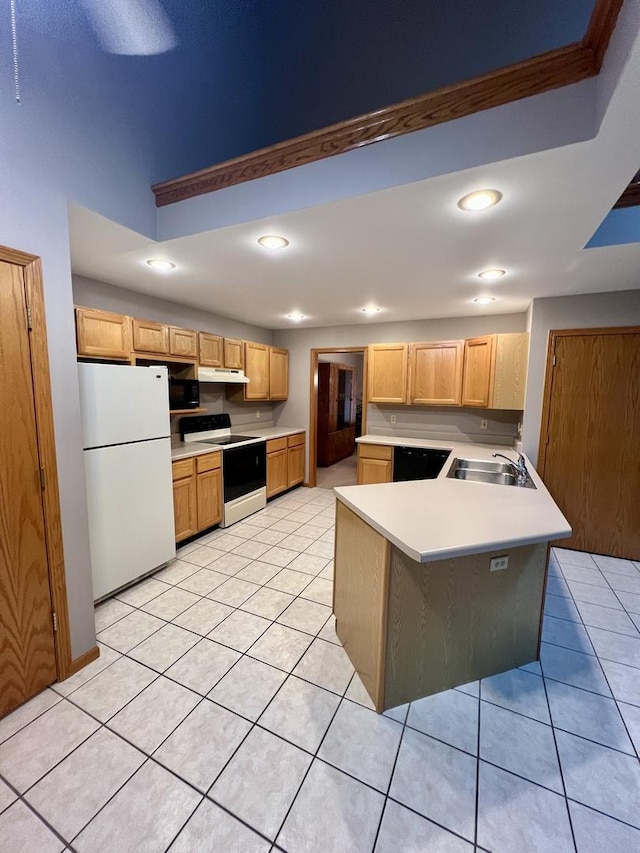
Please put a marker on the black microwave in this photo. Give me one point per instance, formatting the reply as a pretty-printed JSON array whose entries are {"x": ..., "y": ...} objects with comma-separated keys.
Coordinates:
[{"x": 184, "y": 393}]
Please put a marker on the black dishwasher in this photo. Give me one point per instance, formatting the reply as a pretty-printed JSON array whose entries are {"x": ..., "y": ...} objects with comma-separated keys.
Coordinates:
[{"x": 418, "y": 463}]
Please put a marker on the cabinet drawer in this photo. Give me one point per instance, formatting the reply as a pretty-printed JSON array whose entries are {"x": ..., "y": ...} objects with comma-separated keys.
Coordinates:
[
  {"x": 375, "y": 451},
  {"x": 295, "y": 440},
  {"x": 182, "y": 468},
  {"x": 208, "y": 461},
  {"x": 276, "y": 444}
]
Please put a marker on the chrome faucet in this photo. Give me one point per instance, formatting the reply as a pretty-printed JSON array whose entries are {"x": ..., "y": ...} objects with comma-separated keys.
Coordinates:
[{"x": 520, "y": 467}]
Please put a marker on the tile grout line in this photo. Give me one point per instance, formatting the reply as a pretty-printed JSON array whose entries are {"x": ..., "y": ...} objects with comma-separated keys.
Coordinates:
[{"x": 613, "y": 696}]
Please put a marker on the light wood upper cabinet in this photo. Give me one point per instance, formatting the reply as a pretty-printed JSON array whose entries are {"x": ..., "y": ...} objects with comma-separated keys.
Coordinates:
[
  {"x": 387, "y": 366},
  {"x": 209, "y": 350},
  {"x": 149, "y": 336},
  {"x": 435, "y": 373},
  {"x": 183, "y": 342},
  {"x": 103, "y": 334},
  {"x": 278, "y": 373},
  {"x": 233, "y": 354},
  {"x": 375, "y": 464},
  {"x": 495, "y": 371},
  {"x": 510, "y": 371},
  {"x": 256, "y": 367},
  {"x": 477, "y": 380}
]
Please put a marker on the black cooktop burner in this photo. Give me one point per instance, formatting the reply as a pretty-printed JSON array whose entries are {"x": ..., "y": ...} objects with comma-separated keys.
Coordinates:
[{"x": 230, "y": 439}]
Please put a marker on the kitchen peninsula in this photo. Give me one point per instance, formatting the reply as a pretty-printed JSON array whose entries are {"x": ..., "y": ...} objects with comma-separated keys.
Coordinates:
[{"x": 440, "y": 582}]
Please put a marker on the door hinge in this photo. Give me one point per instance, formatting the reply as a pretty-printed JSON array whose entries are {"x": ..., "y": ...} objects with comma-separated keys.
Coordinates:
[
  {"x": 55, "y": 620},
  {"x": 553, "y": 363},
  {"x": 29, "y": 318},
  {"x": 42, "y": 479}
]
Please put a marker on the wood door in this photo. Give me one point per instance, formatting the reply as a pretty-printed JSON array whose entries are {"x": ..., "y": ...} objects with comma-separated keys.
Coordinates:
[
  {"x": 388, "y": 373},
  {"x": 256, "y": 365},
  {"x": 278, "y": 373},
  {"x": 183, "y": 342},
  {"x": 477, "y": 374},
  {"x": 185, "y": 500},
  {"x": 233, "y": 354},
  {"x": 27, "y": 646},
  {"x": 277, "y": 479},
  {"x": 102, "y": 334},
  {"x": 590, "y": 439},
  {"x": 210, "y": 350},
  {"x": 149, "y": 336},
  {"x": 209, "y": 498},
  {"x": 435, "y": 371}
]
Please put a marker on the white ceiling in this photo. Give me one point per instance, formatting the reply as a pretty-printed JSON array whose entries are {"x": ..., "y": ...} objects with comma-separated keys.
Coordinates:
[{"x": 408, "y": 249}]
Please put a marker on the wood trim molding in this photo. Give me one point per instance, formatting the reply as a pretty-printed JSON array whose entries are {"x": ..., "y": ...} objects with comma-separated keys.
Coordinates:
[
  {"x": 84, "y": 660},
  {"x": 313, "y": 403},
  {"x": 32, "y": 271},
  {"x": 542, "y": 73},
  {"x": 554, "y": 334}
]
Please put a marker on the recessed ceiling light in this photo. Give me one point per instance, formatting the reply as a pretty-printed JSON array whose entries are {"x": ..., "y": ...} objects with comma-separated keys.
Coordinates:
[
  {"x": 296, "y": 316},
  {"x": 370, "y": 310},
  {"x": 273, "y": 241},
  {"x": 480, "y": 200},
  {"x": 484, "y": 300},
  {"x": 491, "y": 275},
  {"x": 160, "y": 265}
]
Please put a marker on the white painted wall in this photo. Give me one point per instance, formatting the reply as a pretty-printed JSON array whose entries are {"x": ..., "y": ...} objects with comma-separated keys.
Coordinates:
[
  {"x": 36, "y": 222},
  {"x": 593, "y": 310}
]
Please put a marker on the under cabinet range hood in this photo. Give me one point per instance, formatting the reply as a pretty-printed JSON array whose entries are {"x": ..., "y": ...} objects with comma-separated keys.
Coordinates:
[{"x": 222, "y": 374}]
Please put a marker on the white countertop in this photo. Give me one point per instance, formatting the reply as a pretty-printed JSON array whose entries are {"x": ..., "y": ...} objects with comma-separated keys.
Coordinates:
[
  {"x": 184, "y": 449},
  {"x": 443, "y": 518}
]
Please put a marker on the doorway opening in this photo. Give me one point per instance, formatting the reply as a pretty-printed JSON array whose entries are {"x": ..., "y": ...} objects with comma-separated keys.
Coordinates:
[{"x": 337, "y": 414}]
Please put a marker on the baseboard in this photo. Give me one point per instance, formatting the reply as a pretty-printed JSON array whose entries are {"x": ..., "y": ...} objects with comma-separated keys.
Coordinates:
[{"x": 84, "y": 660}]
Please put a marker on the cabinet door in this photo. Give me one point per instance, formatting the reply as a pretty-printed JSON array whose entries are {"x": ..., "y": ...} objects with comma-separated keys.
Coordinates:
[
  {"x": 210, "y": 350},
  {"x": 387, "y": 369},
  {"x": 185, "y": 508},
  {"x": 372, "y": 471},
  {"x": 278, "y": 373},
  {"x": 277, "y": 480},
  {"x": 103, "y": 334},
  {"x": 233, "y": 354},
  {"x": 510, "y": 373},
  {"x": 256, "y": 367},
  {"x": 435, "y": 373},
  {"x": 209, "y": 498},
  {"x": 295, "y": 464},
  {"x": 183, "y": 342},
  {"x": 149, "y": 336},
  {"x": 477, "y": 377}
]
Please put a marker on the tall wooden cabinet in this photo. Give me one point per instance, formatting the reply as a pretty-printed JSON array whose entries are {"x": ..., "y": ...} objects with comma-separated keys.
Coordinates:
[{"x": 337, "y": 392}]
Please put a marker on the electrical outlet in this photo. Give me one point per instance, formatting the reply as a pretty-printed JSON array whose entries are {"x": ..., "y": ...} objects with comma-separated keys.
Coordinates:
[
  {"x": 257, "y": 413},
  {"x": 484, "y": 424},
  {"x": 497, "y": 564},
  {"x": 394, "y": 419}
]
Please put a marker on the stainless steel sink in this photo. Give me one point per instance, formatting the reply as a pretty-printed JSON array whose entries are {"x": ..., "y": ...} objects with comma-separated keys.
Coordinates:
[
  {"x": 484, "y": 465},
  {"x": 481, "y": 471}
]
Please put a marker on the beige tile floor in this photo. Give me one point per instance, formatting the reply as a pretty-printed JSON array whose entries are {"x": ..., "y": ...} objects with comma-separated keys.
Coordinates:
[{"x": 223, "y": 715}]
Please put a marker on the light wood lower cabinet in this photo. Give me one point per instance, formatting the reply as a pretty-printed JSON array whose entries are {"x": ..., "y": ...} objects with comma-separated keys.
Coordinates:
[
  {"x": 285, "y": 463},
  {"x": 197, "y": 494},
  {"x": 375, "y": 464},
  {"x": 413, "y": 629},
  {"x": 103, "y": 334}
]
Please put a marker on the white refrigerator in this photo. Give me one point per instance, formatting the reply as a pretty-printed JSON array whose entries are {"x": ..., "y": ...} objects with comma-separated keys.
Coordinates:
[{"x": 127, "y": 461}]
